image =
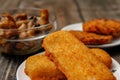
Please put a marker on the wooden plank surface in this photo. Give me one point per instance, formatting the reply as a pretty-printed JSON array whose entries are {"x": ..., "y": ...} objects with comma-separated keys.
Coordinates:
[
  {"x": 92, "y": 9},
  {"x": 67, "y": 12}
]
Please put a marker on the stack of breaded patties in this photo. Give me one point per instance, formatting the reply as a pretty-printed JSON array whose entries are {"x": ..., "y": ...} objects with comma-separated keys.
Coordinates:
[
  {"x": 74, "y": 59},
  {"x": 103, "y": 26},
  {"x": 39, "y": 67}
]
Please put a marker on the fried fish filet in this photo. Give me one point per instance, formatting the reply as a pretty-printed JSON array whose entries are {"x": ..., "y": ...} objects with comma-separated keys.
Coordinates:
[
  {"x": 100, "y": 54},
  {"x": 74, "y": 59},
  {"x": 103, "y": 56},
  {"x": 103, "y": 26},
  {"x": 39, "y": 67},
  {"x": 91, "y": 38}
]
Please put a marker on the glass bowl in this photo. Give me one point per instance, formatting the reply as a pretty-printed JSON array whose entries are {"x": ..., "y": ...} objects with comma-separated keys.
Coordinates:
[{"x": 15, "y": 41}]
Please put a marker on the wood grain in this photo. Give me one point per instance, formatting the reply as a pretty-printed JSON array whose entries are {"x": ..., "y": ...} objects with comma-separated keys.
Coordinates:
[{"x": 92, "y": 9}]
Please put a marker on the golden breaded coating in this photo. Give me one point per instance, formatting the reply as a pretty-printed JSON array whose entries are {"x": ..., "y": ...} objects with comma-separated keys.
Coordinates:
[
  {"x": 74, "y": 59},
  {"x": 103, "y": 26},
  {"x": 100, "y": 54},
  {"x": 39, "y": 67},
  {"x": 91, "y": 38},
  {"x": 103, "y": 56}
]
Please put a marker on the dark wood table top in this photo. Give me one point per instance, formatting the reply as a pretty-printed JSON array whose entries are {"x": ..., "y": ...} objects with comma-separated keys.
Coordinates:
[{"x": 67, "y": 12}]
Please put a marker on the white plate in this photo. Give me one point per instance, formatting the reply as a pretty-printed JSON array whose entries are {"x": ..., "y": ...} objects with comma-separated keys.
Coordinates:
[
  {"x": 20, "y": 74},
  {"x": 78, "y": 26}
]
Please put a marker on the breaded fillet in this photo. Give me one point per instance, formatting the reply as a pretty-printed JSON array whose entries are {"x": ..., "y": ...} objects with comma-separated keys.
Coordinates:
[
  {"x": 103, "y": 26},
  {"x": 100, "y": 54},
  {"x": 39, "y": 67},
  {"x": 74, "y": 59},
  {"x": 91, "y": 38},
  {"x": 103, "y": 56}
]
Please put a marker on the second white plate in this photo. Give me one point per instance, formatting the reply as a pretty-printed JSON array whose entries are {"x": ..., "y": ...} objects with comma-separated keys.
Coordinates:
[{"x": 79, "y": 26}]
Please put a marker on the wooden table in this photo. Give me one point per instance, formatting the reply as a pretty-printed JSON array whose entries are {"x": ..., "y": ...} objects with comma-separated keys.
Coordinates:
[{"x": 67, "y": 12}]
